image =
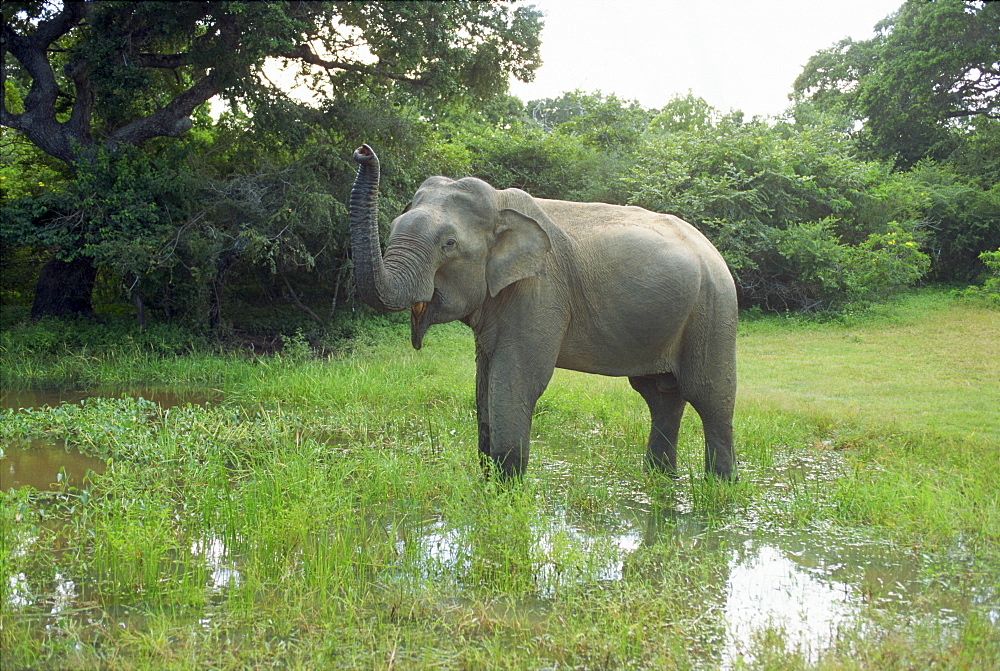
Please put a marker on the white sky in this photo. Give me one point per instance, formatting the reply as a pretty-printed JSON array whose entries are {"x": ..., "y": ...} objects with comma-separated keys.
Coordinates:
[{"x": 736, "y": 54}]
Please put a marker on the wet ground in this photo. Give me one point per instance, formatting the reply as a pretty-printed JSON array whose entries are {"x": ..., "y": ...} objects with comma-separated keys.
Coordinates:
[
  {"x": 807, "y": 582},
  {"x": 36, "y": 398},
  {"x": 51, "y": 465}
]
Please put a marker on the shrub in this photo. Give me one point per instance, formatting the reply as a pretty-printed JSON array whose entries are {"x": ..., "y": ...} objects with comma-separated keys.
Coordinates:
[{"x": 990, "y": 291}]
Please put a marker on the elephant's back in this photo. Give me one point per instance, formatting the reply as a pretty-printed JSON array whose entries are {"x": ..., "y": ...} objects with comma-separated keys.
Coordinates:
[
  {"x": 583, "y": 222},
  {"x": 622, "y": 231}
]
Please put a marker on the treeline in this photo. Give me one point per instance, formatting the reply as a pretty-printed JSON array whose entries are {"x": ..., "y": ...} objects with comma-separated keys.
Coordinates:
[{"x": 241, "y": 219}]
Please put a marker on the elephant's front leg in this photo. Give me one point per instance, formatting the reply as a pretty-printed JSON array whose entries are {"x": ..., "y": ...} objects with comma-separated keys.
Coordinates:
[
  {"x": 507, "y": 389},
  {"x": 483, "y": 408}
]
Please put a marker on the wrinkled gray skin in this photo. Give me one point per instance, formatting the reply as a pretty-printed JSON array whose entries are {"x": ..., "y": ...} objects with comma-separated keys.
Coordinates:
[{"x": 545, "y": 283}]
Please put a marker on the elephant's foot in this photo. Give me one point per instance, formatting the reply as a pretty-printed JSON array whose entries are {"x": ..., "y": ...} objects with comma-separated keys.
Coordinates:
[
  {"x": 662, "y": 461},
  {"x": 508, "y": 466},
  {"x": 726, "y": 473}
]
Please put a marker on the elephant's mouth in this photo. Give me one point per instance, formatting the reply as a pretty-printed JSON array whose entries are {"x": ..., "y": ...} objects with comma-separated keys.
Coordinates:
[{"x": 421, "y": 317}]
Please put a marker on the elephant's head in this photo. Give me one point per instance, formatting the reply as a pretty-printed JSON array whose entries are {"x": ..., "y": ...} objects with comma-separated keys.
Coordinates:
[{"x": 456, "y": 244}]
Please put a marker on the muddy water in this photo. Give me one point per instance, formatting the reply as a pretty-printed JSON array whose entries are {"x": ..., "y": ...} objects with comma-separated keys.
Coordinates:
[
  {"x": 167, "y": 398},
  {"x": 48, "y": 465},
  {"x": 45, "y": 465}
]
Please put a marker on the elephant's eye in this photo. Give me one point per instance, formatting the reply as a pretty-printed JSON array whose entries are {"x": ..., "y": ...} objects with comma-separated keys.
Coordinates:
[{"x": 450, "y": 243}]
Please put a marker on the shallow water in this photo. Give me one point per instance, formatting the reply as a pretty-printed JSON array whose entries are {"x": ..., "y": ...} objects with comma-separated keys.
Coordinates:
[
  {"x": 810, "y": 582},
  {"x": 162, "y": 396},
  {"x": 807, "y": 584},
  {"x": 51, "y": 465},
  {"x": 45, "y": 465}
]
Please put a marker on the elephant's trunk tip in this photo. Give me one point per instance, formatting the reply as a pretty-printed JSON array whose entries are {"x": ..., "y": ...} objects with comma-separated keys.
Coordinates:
[{"x": 364, "y": 155}]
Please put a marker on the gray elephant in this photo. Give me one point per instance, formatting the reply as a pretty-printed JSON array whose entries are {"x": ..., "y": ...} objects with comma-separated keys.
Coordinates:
[{"x": 543, "y": 284}]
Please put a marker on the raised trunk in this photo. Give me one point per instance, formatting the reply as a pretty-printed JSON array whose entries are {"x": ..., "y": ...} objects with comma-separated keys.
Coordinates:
[
  {"x": 64, "y": 289},
  {"x": 376, "y": 287}
]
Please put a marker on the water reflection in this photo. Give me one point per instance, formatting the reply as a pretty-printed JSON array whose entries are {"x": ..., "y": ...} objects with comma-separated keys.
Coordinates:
[
  {"x": 18, "y": 594},
  {"x": 59, "y": 595},
  {"x": 212, "y": 550},
  {"x": 64, "y": 595},
  {"x": 766, "y": 589}
]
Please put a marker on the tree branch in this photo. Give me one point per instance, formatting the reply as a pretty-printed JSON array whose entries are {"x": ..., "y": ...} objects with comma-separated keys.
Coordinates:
[
  {"x": 78, "y": 125},
  {"x": 51, "y": 30},
  {"x": 172, "y": 120},
  {"x": 295, "y": 299},
  {"x": 38, "y": 121},
  {"x": 987, "y": 112},
  {"x": 304, "y": 52}
]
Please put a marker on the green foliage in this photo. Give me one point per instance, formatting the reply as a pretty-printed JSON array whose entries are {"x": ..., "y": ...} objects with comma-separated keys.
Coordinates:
[
  {"x": 990, "y": 291},
  {"x": 930, "y": 70},
  {"x": 607, "y": 122},
  {"x": 684, "y": 113},
  {"x": 788, "y": 205},
  {"x": 839, "y": 275},
  {"x": 963, "y": 218},
  {"x": 546, "y": 165}
]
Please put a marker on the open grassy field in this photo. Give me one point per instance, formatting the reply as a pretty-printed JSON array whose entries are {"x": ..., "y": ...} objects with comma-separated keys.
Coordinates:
[
  {"x": 927, "y": 368},
  {"x": 330, "y": 512}
]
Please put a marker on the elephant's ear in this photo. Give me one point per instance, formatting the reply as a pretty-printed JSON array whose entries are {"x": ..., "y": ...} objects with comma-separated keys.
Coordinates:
[{"x": 521, "y": 244}]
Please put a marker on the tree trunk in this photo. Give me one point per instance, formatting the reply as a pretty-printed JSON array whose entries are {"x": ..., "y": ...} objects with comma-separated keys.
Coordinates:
[
  {"x": 218, "y": 284},
  {"x": 140, "y": 309},
  {"x": 64, "y": 289}
]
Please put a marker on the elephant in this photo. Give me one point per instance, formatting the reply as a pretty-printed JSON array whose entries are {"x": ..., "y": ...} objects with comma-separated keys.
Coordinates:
[{"x": 544, "y": 284}]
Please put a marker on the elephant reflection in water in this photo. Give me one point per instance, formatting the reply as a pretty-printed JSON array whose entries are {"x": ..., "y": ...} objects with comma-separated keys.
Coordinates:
[{"x": 591, "y": 287}]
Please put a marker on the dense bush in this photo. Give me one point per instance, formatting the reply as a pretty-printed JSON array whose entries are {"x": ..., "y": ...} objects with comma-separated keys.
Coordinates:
[
  {"x": 252, "y": 217},
  {"x": 257, "y": 220},
  {"x": 990, "y": 290}
]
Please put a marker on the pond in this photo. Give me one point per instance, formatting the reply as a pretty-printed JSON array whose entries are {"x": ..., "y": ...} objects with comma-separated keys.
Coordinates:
[
  {"x": 54, "y": 396},
  {"x": 808, "y": 581},
  {"x": 50, "y": 465}
]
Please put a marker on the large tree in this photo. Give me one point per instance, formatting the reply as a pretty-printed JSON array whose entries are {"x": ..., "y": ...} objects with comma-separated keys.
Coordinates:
[
  {"x": 931, "y": 69},
  {"x": 97, "y": 77}
]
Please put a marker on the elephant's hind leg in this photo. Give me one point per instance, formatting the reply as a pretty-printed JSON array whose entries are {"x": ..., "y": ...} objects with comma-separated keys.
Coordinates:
[
  {"x": 666, "y": 407},
  {"x": 720, "y": 456},
  {"x": 714, "y": 404}
]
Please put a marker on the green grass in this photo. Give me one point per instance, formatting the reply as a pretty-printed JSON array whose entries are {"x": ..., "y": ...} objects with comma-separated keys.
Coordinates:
[
  {"x": 932, "y": 367},
  {"x": 330, "y": 513}
]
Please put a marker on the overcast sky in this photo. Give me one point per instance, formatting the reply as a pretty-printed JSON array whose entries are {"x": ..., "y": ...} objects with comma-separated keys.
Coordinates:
[{"x": 736, "y": 54}]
